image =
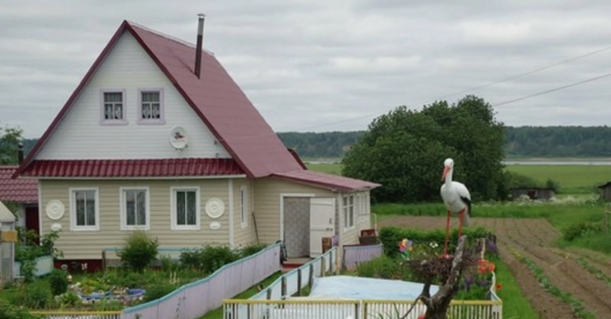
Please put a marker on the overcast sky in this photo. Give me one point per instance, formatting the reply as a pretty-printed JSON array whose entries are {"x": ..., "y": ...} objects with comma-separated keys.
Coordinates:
[{"x": 333, "y": 64}]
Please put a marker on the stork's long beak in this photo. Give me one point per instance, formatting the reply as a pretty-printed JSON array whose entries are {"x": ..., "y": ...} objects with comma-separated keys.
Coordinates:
[{"x": 446, "y": 169}]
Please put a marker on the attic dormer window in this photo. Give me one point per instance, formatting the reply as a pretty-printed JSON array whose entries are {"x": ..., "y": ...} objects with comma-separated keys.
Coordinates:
[
  {"x": 150, "y": 108},
  {"x": 113, "y": 107}
]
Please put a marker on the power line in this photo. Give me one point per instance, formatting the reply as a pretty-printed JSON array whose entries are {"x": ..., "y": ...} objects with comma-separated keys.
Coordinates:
[
  {"x": 513, "y": 77},
  {"x": 559, "y": 88}
]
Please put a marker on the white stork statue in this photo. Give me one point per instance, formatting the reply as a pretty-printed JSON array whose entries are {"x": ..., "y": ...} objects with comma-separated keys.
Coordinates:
[{"x": 457, "y": 199}]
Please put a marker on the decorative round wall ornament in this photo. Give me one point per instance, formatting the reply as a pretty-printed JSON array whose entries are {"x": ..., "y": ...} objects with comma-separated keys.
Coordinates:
[
  {"x": 215, "y": 208},
  {"x": 55, "y": 209},
  {"x": 56, "y": 227},
  {"x": 215, "y": 225}
]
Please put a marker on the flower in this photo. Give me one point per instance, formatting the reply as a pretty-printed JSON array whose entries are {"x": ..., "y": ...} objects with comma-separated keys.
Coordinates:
[
  {"x": 421, "y": 316},
  {"x": 499, "y": 286}
]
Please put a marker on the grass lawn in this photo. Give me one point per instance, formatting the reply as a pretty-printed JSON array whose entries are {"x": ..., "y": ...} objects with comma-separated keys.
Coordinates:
[
  {"x": 573, "y": 179},
  {"x": 515, "y": 305},
  {"x": 218, "y": 312}
]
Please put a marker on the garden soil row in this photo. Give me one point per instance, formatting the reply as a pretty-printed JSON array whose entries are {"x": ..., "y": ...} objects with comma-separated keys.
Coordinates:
[{"x": 533, "y": 238}]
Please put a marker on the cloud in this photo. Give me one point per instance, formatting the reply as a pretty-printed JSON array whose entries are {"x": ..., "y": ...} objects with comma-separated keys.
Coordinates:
[{"x": 332, "y": 65}]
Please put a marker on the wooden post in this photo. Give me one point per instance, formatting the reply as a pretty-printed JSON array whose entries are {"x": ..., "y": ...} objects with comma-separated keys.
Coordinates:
[
  {"x": 322, "y": 266},
  {"x": 311, "y": 276},
  {"x": 331, "y": 262},
  {"x": 283, "y": 287},
  {"x": 337, "y": 261},
  {"x": 299, "y": 281},
  {"x": 269, "y": 293}
]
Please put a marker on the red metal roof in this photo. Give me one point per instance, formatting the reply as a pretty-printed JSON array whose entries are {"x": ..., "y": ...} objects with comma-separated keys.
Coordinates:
[
  {"x": 134, "y": 168},
  {"x": 23, "y": 191},
  {"x": 215, "y": 97},
  {"x": 334, "y": 182}
]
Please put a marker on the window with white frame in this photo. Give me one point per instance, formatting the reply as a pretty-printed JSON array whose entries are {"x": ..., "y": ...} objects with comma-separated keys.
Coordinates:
[
  {"x": 348, "y": 202},
  {"x": 243, "y": 206},
  {"x": 185, "y": 208},
  {"x": 84, "y": 209},
  {"x": 113, "y": 109},
  {"x": 135, "y": 210},
  {"x": 151, "y": 106},
  {"x": 363, "y": 213}
]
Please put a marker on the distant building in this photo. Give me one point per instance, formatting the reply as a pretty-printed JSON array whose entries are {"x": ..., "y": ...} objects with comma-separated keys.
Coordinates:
[
  {"x": 541, "y": 193},
  {"x": 605, "y": 191}
]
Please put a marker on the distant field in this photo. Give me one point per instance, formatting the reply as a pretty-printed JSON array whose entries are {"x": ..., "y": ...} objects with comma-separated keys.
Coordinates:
[{"x": 573, "y": 179}]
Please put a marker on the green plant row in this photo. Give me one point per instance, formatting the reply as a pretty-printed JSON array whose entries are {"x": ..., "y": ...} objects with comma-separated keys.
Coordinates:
[
  {"x": 578, "y": 309},
  {"x": 594, "y": 271},
  {"x": 391, "y": 236}
]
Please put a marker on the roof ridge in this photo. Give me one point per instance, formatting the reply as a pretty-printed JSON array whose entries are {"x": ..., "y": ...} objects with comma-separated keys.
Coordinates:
[{"x": 167, "y": 36}]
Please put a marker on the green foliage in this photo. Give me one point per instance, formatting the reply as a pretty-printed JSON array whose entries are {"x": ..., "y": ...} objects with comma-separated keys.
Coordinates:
[
  {"x": 26, "y": 250},
  {"x": 139, "y": 251},
  {"x": 381, "y": 267},
  {"x": 58, "y": 281},
  {"x": 252, "y": 249},
  {"x": 35, "y": 295},
  {"x": 10, "y": 311},
  {"x": 578, "y": 309},
  {"x": 404, "y": 150},
  {"x": 9, "y": 140},
  {"x": 582, "y": 229},
  {"x": 209, "y": 258},
  {"x": 159, "y": 290},
  {"x": 553, "y": 184},
  {"x": 391, "y": 236}
]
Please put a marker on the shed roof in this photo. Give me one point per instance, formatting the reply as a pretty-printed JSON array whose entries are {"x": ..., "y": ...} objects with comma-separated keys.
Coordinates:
[{"x": 19, "y": 190}]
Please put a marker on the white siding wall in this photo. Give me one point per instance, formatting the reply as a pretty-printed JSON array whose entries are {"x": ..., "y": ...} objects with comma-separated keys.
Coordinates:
[{"x": 81, "y": 136}]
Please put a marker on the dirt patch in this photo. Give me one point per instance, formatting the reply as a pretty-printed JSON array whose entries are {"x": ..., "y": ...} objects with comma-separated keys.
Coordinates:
[{"x": 534, "y": 238}]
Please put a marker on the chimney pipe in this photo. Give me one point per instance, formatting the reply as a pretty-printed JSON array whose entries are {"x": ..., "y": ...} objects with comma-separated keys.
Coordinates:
[
  {"x": 20, "y": 153},
  {"x": 198, "y": 48}
]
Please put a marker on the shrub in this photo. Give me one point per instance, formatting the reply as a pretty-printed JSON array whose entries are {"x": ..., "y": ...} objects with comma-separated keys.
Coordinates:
[
  {"x": 381, "y": 267},
  {"x": 208, "y": 259},
  {"x": 581, "y": 230},
  {"x": 9, "y": 311},
  {"x": 391, "y": 236},
  {"x": 252, "y": 249},
  {"x": 139, "y": 251},
  {"x": 36, "y": 295},
  {"x": 159, "y": 290},
  {"x": 58, "y": 280}
]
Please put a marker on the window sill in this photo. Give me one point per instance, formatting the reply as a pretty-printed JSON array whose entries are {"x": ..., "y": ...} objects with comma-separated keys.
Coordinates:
[
  {"x": 117, "y": 122},
  {"x": 133, "y": 228},
  {"x": 175, "y": 227},
  {"x": 151, "y": 122}
]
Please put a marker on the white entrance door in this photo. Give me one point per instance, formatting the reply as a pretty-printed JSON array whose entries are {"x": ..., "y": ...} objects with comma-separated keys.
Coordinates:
[{"x": 322, "y": 222}]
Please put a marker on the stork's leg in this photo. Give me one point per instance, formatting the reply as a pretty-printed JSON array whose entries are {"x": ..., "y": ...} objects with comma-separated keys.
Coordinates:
[
  {"x": 461, "y": 220},
  {"x": 445, "y": 248}
]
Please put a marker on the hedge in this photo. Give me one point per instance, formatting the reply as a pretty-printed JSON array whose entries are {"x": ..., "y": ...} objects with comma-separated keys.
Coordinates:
[{"x": 391, "y": 236}]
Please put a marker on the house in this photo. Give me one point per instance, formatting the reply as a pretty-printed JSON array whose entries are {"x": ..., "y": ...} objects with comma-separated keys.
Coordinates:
[
  {"x": 157, "y": 136},
  {"x": 23, "y": 194},
  {"x": 534, "y": 193},
  {"x": 605, "y": 191}
]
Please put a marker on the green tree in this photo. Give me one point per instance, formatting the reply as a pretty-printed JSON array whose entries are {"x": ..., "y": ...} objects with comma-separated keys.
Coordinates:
[
  {"x": 404, "y": 150},
  {"x": 9, "y": 145}
]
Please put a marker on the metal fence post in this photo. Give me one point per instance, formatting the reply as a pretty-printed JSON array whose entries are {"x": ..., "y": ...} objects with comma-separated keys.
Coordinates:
[
  {"x": 299, "y": 281},
  {"x": 283, "y": 287}
]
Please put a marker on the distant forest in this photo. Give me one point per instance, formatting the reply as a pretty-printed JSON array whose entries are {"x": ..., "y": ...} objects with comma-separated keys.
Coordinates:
[{"x": 524, "y": 141}]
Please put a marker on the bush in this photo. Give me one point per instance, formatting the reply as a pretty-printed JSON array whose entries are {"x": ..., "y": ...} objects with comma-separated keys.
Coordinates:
[
  {"x": 58, "y": 280},
  {"x": 159, "y": 290},
  {"x": 9, "y": 311},
  {"x": 139, "y": 251},
  {"x": 581, "y": 230},
  {"x": 381, "y": 267},
  {"x": 391, "y": 236},
  {"x": 252, "y": 249},
  {"x": 208, "y": 259},
  {"x": 36, "y": 295}
]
